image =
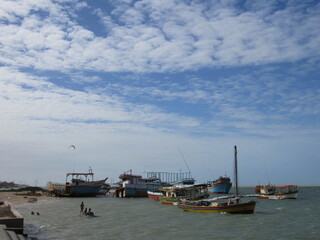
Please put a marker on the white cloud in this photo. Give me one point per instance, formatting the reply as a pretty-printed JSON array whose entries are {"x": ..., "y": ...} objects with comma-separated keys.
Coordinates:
[
  {"x": 129, "y": 121},
  {"x": 158, "y": 37},
  {"x": 34, "y": 98}
]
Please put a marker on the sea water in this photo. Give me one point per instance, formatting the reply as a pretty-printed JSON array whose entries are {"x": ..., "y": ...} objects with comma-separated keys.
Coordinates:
[{"x": 141, "y": 218}]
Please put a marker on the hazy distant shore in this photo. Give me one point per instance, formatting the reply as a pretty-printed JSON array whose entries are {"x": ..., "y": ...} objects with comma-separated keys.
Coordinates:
[{"x": 315, "y": 185}]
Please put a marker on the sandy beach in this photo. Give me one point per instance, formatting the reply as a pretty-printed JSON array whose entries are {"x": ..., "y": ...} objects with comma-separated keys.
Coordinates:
[{"x": 16, "y": 198}]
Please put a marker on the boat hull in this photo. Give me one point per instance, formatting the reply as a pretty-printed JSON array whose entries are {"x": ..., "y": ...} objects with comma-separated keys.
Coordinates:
[
  {"x": 86, "y": 191},
  {"x": 82, "y": 189},
  {"x": 175, "y": 201},
  {"x": 243, "y": 208},
  {"x": 277, "y": 193},
  {"x": 131, "y": 191},
  {"x": 155, "y": 196},
  {"x": 168, "y": 201},
  {"x": 279, "y": 196},
  {"x": 220, "y": 188}
]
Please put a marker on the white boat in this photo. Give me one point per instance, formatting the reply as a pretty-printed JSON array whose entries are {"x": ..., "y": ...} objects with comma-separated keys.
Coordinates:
[{"x": 277, "y": 192}]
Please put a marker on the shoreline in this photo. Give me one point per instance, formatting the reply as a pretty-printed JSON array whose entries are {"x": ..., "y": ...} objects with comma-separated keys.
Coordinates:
[{"x": 18, "y": 198}]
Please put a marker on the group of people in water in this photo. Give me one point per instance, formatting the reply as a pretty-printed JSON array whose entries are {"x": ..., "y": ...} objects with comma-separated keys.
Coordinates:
[{"x": 84, "y": 211}]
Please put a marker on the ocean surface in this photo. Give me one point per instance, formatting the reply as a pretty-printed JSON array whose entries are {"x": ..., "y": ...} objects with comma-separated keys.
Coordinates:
[{"x": 146, "y": 219}]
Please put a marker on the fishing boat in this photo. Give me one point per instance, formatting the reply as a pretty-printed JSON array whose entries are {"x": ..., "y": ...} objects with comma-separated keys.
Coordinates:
[
  {"x": 231, "y": 206},
  {"x": 80, "y": 185},
  {"x": 221, "y": 185},
  {"x": 277, "y": 192},
  {"x": 135, "y": 186},
  {"x": 185, "y": 190},
  {"x": 224, "y": 204},
  {"x": 131, "y": 186},
  {"x": 169, "y": 181},
  {"x": 155, "y": 196},
  {"x": 104, "y": 189}
]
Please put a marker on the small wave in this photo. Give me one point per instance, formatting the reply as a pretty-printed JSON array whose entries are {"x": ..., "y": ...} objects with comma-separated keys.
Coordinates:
[
  {"x": 44, "y": 226},
  {"x": 31, "y": 229}
]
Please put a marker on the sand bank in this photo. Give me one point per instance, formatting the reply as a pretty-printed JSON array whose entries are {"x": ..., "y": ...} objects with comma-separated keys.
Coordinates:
[{"x": 16, "y": 198}]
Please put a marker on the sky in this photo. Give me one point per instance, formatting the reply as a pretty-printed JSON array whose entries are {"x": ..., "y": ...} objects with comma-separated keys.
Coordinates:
[{"x": 132, "y": 84}]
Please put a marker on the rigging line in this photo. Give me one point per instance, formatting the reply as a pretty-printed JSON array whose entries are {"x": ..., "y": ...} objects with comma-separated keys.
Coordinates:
[{"x": 184, "y": 159}]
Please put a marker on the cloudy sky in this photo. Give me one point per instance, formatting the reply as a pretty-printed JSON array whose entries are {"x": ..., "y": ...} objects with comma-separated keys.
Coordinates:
[{"x": 129, "y": 83}]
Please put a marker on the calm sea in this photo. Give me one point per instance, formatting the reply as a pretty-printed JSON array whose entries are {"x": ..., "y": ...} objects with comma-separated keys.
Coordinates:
[{"x": 145, "y": 219}]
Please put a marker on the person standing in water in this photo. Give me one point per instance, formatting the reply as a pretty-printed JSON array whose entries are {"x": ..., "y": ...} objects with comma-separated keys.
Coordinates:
[{"x": 81, "y": 207}]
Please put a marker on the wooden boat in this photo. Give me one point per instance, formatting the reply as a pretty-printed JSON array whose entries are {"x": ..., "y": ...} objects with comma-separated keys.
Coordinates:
[
  {"x": 77, "y": 186},
  {"x": 104, "y": 189},
  {"x": 155, "y": 195},
  {"x": 132, "y": 185},
  {"x": 183, "y": 191},
  {"x": 221, "y": 185},
  {"x": 232, "y": 205},
  {"x": 277, "y": 192}
]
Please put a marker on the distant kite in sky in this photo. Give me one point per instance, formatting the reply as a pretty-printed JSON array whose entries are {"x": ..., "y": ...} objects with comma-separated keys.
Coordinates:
[{"x": 72, "y": 147}]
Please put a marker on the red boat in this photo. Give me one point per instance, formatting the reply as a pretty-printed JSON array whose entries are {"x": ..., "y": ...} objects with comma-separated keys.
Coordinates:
[{"x": 155, "y": 195}]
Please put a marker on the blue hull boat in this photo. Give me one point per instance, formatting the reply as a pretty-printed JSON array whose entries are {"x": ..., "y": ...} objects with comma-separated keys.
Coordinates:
[
  {"x": 78, "y": 186},
  {"x": 220, "y": 186}
]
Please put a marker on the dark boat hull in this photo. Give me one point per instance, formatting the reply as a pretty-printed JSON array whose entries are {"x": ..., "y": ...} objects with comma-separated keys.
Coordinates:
[{"x": 81, "y": 189}]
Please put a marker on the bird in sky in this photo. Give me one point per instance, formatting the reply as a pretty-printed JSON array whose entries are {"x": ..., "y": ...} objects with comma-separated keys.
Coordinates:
[{"x": 72, "y": 146}]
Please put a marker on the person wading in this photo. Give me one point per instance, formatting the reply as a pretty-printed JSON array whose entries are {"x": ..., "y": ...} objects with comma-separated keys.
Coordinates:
[{"x": 81, "y": 207}]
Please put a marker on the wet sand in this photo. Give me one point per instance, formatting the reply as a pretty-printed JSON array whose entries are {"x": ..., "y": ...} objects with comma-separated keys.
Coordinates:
[{"x": 17, "y": 198}]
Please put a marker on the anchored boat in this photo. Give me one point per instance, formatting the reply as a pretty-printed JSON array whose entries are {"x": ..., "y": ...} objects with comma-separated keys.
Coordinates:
[
  {"x": 155, "y": 195},
  {"x": 277, "y": 192},
  {"x": 136, "y": 186},
  {"x": 228, "y": 204},
  {"x": 231, "y": 206},
  {"x": 221, "y": 185},
  {"x": 80, "y": 185},
  {"x": 185, "y": 190}
]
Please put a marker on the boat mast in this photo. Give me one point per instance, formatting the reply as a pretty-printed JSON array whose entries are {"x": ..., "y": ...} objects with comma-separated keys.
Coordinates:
[
  {"x": 236, "y": 171},
  {"x": 185, "y": 163}
]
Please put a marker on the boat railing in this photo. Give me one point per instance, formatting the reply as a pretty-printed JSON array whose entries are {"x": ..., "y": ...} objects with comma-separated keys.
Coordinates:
[{"x": 287, "y": 189}]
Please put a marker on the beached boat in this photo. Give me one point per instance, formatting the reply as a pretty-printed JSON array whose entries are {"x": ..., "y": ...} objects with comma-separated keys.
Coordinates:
[
  {"x": 221, "y": 185},
  {"x": 227, "y": 205},
  {"x": 80, "y": 185},
  {"x": 277, "y": 192},
  {"x": 185, "y": 190}
]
